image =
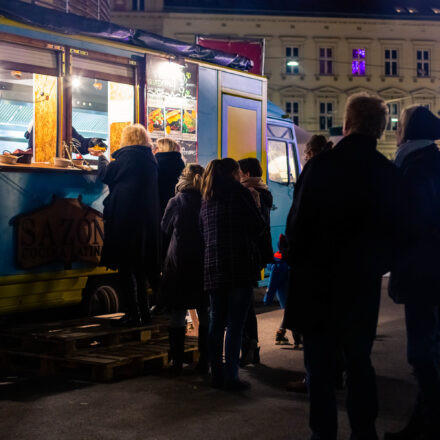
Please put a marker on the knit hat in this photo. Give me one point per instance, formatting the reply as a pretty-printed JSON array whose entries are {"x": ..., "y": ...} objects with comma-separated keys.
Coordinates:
[{"x": 422, "y": 124}]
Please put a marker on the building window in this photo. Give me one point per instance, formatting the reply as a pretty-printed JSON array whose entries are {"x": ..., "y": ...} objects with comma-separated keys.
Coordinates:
[
  {"x": 292, "y": 109},
  {"x": 138, "y": 5},
  {"x": 325, "y": 115},
  {"x": 394, "y": 110},
  {"x": 292, "y": 60},
  {"x": 325, "y": 61},
  {"x": 358, "y": 62},
  {"x": 391, "y": 62},
  {"x": 423, "y": 62}
]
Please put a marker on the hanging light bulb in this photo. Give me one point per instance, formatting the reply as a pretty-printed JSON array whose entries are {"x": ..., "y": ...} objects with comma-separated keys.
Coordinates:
[
  {"x": 97, "y": 85},
  {"x": 76, "y": 82}
]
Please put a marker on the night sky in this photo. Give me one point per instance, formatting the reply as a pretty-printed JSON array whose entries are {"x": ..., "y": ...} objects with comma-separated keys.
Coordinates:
[{"x": 327, "y": 7}]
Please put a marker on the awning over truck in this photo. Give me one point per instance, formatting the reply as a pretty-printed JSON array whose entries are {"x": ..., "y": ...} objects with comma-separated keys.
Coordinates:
[{"x": 72, "y": 24}]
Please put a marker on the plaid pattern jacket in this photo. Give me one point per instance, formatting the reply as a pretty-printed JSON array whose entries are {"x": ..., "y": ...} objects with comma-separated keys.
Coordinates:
[{"x": 231, "y": 226}]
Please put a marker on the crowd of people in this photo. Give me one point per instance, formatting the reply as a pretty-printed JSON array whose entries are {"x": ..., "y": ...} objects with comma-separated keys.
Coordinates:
[{"x": 201, "y": 237}]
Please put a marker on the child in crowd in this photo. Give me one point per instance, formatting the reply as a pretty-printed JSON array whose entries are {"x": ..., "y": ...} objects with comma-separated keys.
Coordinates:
[
  {"x": 182, "y": 279},
  {"x": 278, "y": 285}
]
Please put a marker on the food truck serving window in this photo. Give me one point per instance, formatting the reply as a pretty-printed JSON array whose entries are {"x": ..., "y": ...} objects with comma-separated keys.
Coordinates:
[
  {"x": 102, "y": 102},
  {"x": 28, "y": 102}
]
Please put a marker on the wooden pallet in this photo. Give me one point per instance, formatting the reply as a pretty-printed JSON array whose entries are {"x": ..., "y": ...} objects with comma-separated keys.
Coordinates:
[
  {"x": 69, "y": 337},
  {"x": 90, "y": 346}
]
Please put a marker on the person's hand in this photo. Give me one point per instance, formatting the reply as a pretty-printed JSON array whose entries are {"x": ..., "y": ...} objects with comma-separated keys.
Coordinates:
[{"x": 96, "y": 153}]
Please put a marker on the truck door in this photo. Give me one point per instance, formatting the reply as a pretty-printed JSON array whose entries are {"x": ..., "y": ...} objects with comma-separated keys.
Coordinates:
[
  {"x": 282, "y": 173},
  {"x": 241, "y": 127}
]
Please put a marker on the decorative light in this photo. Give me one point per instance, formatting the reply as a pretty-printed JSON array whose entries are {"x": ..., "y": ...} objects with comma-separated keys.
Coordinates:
[
  {"x": 399, "y": 9},
  {"x": 76, "y": 82},
  {"x": 293, "y": 63},
  {"x": 412, "y": 10},
  {"x": 16, "y": 74},
  {"x": 436, "y": 10},
  {"x": 394, "y": 119}
]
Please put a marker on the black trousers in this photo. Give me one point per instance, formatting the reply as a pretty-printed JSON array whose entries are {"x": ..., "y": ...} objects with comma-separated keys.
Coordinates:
[
  {"x": 322, "y": 361},
  {"x": 250, "y": 330},
  {"x": 134, "y": 287}
]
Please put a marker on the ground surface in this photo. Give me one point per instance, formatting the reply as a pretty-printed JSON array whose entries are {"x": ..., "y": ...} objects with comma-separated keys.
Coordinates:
[{"x": 158, "y": 407}]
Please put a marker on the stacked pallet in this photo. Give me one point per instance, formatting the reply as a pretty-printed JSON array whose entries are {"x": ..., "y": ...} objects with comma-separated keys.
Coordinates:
[{"x": 93, "y": 346}]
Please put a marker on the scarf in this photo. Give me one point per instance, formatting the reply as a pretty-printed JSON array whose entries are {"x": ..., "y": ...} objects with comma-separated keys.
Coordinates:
[
  {"x": 253, "y": 184},
  {"x": 409, "y": 147},
  {"x": 184, "y": 183}
]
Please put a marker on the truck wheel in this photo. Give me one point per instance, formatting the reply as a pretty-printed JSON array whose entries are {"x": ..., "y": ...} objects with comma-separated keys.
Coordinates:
[{"x": 101, "y": 297}]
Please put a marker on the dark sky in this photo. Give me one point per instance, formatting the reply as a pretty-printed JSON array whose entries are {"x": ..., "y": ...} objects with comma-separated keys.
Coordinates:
[{"x": 315, "y": 7}]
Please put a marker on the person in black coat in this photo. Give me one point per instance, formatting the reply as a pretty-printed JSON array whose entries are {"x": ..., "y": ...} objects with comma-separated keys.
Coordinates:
[
  {"x": 182, "y": 278},
  {"x": 170, "y": 165},
  {"x": 251, "y": 178},
  {"x": 132, "y": 219},
  {"x": 415, "y": 277},
  {"x": 340, "y": 233},
  {"x": 231, "y": 226}
]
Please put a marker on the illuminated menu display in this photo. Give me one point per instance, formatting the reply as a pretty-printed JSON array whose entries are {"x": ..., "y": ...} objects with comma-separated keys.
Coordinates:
[{"x": 172, "y": 103}]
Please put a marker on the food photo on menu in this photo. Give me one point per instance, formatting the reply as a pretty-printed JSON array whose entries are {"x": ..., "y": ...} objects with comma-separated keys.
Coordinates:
[
  {"x": 173, "y": 118},
  {"x": 155, "y": 119},
  {"x": 189, "y": 121}
]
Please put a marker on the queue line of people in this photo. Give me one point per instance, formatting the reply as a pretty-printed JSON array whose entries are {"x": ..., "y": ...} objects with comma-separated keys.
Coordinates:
[{"x": 355, "y": 216}]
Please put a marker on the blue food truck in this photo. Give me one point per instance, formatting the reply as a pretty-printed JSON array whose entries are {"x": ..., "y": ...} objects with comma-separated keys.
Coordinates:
[{"x": 66, "y": 80}]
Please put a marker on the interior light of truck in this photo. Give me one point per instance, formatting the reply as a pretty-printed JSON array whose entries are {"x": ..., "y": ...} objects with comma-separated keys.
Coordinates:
[{"x": 76, "y": 82}]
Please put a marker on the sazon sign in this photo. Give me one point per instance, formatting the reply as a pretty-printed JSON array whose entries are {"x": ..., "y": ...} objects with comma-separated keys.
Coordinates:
[{"x": 64, "y": 231}]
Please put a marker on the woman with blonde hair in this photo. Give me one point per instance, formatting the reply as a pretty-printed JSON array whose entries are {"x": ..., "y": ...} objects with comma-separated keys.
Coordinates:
[
  {"x": 171, "y": 165},
  {"x": 182, "y": 278},
  {"x": 132, "y": 219}
]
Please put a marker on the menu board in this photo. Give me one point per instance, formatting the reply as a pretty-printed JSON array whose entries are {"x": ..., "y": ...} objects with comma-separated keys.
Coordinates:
[{"x": 172, "y": 103}]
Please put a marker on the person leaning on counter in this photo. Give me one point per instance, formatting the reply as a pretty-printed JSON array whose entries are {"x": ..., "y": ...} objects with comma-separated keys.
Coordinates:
[{"x": 132, "y": 219}]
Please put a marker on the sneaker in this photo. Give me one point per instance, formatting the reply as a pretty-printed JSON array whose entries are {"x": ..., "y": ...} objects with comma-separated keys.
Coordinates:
[
  {"x": 297, "y": 386},
  {"x": 280, "y": 338},
  {"x": 236, "y": 385}
]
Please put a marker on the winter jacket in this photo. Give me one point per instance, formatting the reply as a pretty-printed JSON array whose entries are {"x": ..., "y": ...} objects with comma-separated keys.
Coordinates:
[
  {"x": 341, "y": 231},
  {"x": 182, "y": 278},
  {"x": 170, "y": 167},
  {"x": 264, "y": 201},
  {"x": 231, "y": 226},
  {"x": 415, "y": 276},
  {"x": 131, "y": 210}
]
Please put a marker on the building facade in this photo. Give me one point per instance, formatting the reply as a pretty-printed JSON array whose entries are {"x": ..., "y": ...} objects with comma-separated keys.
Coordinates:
[
  {"x": 314, "y": 63},
  {"x": 99, "y": 9}
]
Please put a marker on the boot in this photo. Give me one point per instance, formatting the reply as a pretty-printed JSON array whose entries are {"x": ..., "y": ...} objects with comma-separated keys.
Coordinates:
[
  {"x": 202, "y": 366},
  {"x": 414, "y": 430},
  {"x": 144, "y": 306},
  {"x": 133, "y": 317},
  {"x": 177, "y": 348},
  {"x": 248, "y": 349}
]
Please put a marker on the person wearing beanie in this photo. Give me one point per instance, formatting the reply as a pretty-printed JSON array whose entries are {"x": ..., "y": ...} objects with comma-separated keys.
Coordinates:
[{"x": 415, "y": 277}]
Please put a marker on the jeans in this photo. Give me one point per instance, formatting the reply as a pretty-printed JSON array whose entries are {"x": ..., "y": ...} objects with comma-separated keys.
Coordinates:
[
  {"x": 178, "y": 317},
  {"x": 423, "y": 333},
  {"x": 228, "y": 310},
  {"x": 278, "y": 283}
]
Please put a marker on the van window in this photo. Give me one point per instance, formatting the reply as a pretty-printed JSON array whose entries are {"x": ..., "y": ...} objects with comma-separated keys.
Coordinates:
[
  {"x": 277, "y": 161},
  {"x": 292, "y": 162},
  {"x": 279, "y": 131}
]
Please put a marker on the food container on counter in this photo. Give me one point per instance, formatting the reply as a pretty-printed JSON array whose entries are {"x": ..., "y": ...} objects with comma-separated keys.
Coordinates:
[
  {"x": 61, "y": 162},
  {"x": 8, "y": 159}
]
